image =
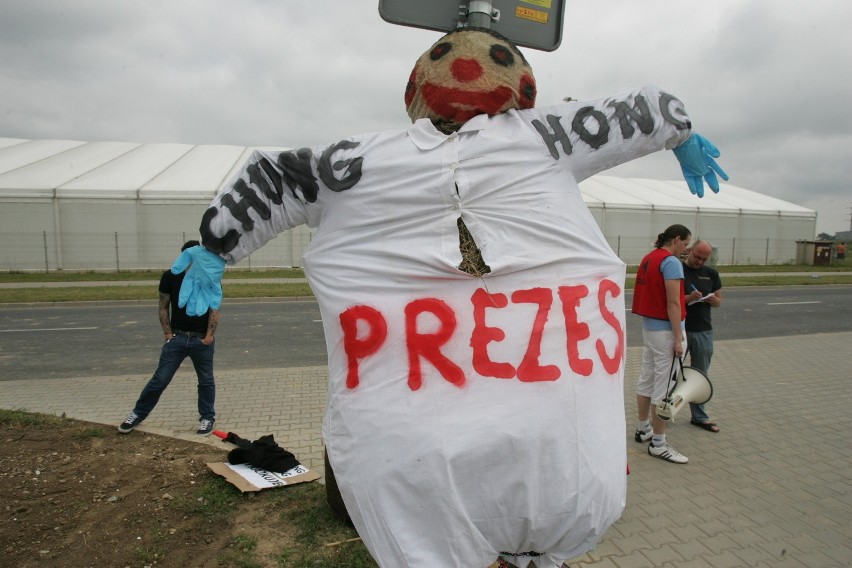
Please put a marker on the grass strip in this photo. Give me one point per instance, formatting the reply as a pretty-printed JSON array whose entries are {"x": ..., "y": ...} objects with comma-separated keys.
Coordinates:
[
  {"x": 24, "y": 418},
  {"x": 124, "y": 293},
  {"x": 266, "y": 290},
  {"x": 135, "y": 275}
]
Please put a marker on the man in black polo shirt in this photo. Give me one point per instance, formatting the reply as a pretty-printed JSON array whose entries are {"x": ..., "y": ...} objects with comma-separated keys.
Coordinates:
[
  {"x": 185, "y": 336},
  {"x": 703, "y": 288}
]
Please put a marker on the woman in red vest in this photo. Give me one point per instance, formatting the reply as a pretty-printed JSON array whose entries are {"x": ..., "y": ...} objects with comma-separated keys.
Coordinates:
[{"x": 658, "y": 297}]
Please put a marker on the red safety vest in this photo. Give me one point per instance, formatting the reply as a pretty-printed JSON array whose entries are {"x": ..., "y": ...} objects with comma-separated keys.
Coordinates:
[{"x": 649, "y": 293}]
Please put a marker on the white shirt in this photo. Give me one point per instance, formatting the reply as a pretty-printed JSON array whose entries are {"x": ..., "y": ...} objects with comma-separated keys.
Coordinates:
[{"x": 466, "y": 416}]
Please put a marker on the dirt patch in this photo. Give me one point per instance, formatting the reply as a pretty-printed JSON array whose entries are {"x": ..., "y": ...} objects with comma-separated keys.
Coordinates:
[{"x": 77, "y": 494}]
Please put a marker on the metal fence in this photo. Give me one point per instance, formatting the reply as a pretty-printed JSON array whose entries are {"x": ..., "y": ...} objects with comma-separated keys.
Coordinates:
[
  {"x": 116, "y": 252},
  {"x": 44, "y": 251},
  {"x": 730, "y": 251}
]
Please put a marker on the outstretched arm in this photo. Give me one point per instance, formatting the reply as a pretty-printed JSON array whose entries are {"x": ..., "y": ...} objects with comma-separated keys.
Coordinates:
[
  {"x": 594, "y": 136},
  {"x": 267, "y": 195}
]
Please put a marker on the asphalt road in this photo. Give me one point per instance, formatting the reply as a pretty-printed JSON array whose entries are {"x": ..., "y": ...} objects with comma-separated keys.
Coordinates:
[{"x": 85, "y": 339}]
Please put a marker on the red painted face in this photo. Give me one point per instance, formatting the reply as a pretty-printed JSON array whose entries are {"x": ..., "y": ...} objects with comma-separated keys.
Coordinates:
[{"x": 468, "y": 72}]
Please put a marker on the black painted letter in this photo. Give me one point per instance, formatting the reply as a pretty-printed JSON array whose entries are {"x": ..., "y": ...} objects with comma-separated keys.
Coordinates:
[
  {"x": 250, "y": 200},
  {"x": 220, "y": 245},
  {"x": 352, "y": 166},
  {"x": 296, "y": 171},
  {"x": 667, "y": 101},
  {"x": 597, "y": 139},
  {"x": 640, "y": 114},
  {"x": 262, "y": 182},
  {"x": 551, "y": 138}
]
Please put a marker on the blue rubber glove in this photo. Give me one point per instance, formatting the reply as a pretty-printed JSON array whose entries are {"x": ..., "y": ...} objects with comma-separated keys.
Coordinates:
[
  {"x": 202, "y": 286},
  {"x": 697, "y": 164}
]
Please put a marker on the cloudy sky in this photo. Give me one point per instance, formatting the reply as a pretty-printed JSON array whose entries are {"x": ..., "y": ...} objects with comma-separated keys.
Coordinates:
[{"x": 766, "y": 80}]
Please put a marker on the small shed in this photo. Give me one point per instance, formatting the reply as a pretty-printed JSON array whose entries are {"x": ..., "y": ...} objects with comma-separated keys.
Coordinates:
[{"x": 814, "y": 253}]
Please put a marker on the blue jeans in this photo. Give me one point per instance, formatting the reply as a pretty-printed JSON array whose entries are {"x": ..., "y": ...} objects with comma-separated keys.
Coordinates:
[
  {"x": 700, "y": 353},
  {"x": 172, "y": 355}
]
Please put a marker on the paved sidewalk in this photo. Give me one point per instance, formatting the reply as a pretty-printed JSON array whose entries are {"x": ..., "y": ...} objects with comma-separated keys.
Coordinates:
[{"x": 772, "y": 489}]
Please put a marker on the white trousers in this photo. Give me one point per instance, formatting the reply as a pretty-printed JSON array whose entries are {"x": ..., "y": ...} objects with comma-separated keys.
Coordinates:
[{"x": 657, "y": 370}]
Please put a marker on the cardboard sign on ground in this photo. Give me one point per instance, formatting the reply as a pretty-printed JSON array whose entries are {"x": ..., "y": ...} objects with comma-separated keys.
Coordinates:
[{"x": 248, "y": 478}]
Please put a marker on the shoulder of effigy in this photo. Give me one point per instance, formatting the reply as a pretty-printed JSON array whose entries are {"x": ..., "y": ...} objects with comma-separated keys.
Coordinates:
[
  {"x": 355, "y": 143},
  {"x": 570, "y": 107}
]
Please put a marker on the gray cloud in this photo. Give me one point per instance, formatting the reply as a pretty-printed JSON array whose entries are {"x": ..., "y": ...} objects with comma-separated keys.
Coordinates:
[{"x": 765, "y": 80}]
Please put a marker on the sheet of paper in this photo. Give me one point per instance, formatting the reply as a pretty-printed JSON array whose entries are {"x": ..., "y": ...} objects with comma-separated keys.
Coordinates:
[{"x": 702, "y": 299}]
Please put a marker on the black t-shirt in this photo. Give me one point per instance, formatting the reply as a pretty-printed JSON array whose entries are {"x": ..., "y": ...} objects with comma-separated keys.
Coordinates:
[
  {"x": 705, "y": 280},
  {"x": 170, "y": 284}
]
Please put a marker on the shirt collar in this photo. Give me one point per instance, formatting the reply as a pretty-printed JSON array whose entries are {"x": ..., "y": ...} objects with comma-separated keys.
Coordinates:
[{"x": 425, "y": 136}]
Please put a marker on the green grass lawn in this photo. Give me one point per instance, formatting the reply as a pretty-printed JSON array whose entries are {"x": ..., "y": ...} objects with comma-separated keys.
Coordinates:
[
  {"x": 139, "y": 285},
  {"x": 136, "y": 275}
]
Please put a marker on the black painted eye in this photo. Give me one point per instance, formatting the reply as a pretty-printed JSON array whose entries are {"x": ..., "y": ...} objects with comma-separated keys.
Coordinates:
[
  {"x": 527, "y": 90},
  {"x": 440, "y": 50},
  {"x": 501, "y": 55}
]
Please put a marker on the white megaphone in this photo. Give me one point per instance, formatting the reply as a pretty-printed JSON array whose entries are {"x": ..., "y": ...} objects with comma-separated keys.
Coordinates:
[{"x": 689, "y": 385}]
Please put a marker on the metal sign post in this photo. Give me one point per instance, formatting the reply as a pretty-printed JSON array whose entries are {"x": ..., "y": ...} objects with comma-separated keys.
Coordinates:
[
  {"x": 529, "y": 23},
  {"x": 480, "y": 14}
]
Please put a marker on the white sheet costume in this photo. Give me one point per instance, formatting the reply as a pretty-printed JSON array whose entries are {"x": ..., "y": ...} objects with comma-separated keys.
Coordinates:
[{"x": 466, "y": 416}]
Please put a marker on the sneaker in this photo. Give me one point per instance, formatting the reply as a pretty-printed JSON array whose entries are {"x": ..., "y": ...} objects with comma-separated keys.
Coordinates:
[
  {"x": 666, "y": 452},
  {"x": 205, "y": 427},
  {"x": 131, "y": 422},
  {"x": 643, "y": 435}
]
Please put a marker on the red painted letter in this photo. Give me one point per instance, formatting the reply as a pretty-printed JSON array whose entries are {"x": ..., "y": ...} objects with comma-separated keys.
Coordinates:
[
  {"x": 359, "y": 348},
  {"x": 576, "y": 330},
  {"x": 483, "y": 335},
  {"x": 611, "y": 364},
  {"x": 529, "y": 370},
  {"x": 427, "y": 345}
]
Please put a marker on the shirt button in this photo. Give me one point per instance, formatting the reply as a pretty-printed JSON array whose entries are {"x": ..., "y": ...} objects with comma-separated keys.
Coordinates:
[{"x": 454, "y": 165}]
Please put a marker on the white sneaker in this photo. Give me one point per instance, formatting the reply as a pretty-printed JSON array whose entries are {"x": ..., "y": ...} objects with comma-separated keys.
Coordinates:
[
  {"x": 668, "y": 453},
  {"x": 643, "y": 435}
]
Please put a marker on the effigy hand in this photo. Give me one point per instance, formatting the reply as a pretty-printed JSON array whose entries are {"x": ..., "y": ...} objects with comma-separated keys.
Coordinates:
[
  {"x": 202, "y": 286},
  {"x": 696, "y": 157}
]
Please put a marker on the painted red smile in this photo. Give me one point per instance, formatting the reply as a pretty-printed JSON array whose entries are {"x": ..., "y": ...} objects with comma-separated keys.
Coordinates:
[{"x": 461, "y": 105}]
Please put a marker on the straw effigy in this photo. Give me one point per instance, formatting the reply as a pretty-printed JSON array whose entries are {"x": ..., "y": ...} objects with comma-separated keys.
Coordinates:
[{"x": 472, "y": 262}]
